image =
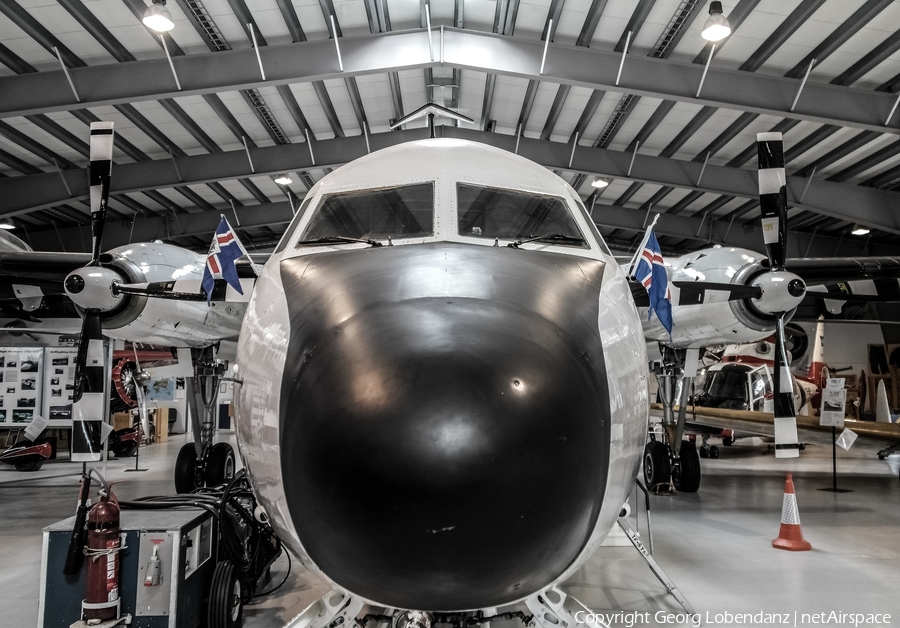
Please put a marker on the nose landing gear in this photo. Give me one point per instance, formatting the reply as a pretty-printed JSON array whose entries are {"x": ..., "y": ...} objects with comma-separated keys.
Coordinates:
[{"x": 707, "y": 450}]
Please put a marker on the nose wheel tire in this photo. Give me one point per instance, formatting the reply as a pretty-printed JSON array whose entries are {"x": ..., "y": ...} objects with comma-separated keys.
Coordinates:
[
  {"x": 186, "y": 469},
  {"x": 225, "y": 608},
  {"x": 656, "y": 464},
  {"x": 686, "y": 474},
  {"x": 219, "y": 464},
  {"x": 714, "y": 452}
]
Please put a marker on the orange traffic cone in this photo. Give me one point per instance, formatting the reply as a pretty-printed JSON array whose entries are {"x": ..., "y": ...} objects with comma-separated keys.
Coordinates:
[{"x": 790, "y": 537}]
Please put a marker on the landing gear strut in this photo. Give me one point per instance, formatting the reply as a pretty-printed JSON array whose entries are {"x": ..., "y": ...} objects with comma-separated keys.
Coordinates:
[
  {"x": 673, "y": 458},
  {"x": 203, "y": 463}
]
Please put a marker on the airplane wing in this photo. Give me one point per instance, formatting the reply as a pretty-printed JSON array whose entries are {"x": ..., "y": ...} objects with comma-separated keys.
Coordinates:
[
  {"x": 39, "y": 268},
  {"x": 860, "y": 280},
  {"x": 762, "y": 424},
  {"x": 816, "y": 270},
  {"x": 26, "y": 277}
]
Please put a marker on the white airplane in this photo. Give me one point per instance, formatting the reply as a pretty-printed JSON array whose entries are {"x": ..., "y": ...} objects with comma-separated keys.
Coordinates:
[
  {"x": 425, "y": 390},
  {"x": 425, "y": 393},
  {"x": 441, "y": 386}
]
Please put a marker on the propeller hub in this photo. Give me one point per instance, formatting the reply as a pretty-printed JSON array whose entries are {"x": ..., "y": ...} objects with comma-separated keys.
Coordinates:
[
  {"x": 781, "y": 292},
  {"x": 91, "y": 288},
  {"x": 74, "y": 284},
  {"x": 796, "y": 288}
]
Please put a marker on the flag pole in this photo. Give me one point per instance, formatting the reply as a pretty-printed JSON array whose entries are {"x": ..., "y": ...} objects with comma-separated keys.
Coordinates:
[{"x": 640, "y": 249}]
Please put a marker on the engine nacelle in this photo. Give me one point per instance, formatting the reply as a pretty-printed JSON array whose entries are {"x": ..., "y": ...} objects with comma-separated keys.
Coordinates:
[
  {"x": 717, "y": 320},
  {"x": 153, "y": 321}
]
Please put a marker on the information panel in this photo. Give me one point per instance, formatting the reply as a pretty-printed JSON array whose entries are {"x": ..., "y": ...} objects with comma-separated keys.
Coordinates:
[
  {"x": 20, "y": 385},
  {"x": 59, "y": 384},
  {"x": 834, "y": 403}
]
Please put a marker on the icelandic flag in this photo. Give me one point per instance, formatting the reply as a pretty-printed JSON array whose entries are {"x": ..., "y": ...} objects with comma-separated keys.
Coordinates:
[
  {"x": 652, "y": 274},
  {"x": 223, "y": 252}
]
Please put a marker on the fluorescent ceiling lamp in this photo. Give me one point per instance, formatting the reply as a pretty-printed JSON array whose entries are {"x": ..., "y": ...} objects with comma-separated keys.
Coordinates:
[
  {"x": 7, "y": 225},
  {"x": 716, "y": 27},
  {"x": 283, "y": 179},
  {"x": 158, "y": 18},
  {"x": 599, "y": 182},
  {"x": 857, "y": 230}
]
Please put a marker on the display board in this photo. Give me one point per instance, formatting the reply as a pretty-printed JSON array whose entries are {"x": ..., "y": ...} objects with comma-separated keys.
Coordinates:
[
  {"x": 834, "y": 403},
  {"x": 20, "y": 385},
  {"x": 59, "y": 384}
]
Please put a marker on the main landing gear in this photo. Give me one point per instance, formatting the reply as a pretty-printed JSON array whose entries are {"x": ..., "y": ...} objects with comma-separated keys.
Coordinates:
[
  {"x": 203, "y": 463},
  {"x": 671, "y": 463},
  {"x": 659, "y": 466}
]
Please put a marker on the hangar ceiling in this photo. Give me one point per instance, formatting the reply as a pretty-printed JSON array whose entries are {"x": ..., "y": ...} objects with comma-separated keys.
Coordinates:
[{"x": 623, "y": 89}]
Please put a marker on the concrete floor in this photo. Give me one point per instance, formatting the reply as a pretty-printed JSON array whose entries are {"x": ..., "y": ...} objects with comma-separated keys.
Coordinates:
[{"x": 715, "y": 545}]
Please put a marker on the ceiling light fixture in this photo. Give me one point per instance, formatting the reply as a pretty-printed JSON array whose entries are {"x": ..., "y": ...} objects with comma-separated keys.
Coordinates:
[
  {"x": 158, "y": 18},
  {"x": 283, "y": 179},
  {"x": 859, "y": 230},
  {"x": 599, "y": 182},
  {"x": 716, "y": 27},
  {"x": 7, "y": 225}
]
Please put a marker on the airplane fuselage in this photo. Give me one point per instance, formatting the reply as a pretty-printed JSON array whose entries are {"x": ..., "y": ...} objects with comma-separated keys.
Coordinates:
[{"x": 445, "y": 422}]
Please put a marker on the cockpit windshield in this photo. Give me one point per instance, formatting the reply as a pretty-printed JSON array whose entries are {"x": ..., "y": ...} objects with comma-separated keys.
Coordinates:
[
  {"x": 486, "y": 212},
  {"x": 400, "y": 212},
  {"x": 727, "y": 385}
]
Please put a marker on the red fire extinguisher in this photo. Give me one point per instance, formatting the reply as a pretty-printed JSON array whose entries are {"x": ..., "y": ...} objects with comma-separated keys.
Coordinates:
[{"x": 102, "y": 551}]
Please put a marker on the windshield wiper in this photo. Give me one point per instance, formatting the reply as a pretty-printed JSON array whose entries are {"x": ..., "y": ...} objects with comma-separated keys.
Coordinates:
[
  {"x": 547, "y": 236},
  {"x": 336, "y": 239}
]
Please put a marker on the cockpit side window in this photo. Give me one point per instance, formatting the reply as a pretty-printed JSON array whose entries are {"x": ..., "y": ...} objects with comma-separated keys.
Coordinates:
[
  {"x": 486, "y": 212},
  {"x": 593, "y": 226},
  {"x": 401, "y": 212},
  {"x": 291, "y": 227}
]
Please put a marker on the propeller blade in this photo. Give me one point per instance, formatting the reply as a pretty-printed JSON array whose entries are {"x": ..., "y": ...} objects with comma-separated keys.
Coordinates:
[
  {"x": 694, "y": 292},
  {"x": 773, "y": 197},
  {"x": 100, "y": 173},
  {"x": 787, "y": 443},
  {"x": 88, "y": 398},
  {"x": 89, "y": 348}
]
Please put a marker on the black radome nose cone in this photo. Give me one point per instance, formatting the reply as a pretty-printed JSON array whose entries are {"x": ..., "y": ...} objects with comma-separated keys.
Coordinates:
[{"x": 444, "y": 454}]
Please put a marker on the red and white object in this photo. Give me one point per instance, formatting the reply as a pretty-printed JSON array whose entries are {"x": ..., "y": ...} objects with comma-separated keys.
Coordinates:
[
  {"x": 103, "y": 545},
  {"x": 790, "y": 537}
]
